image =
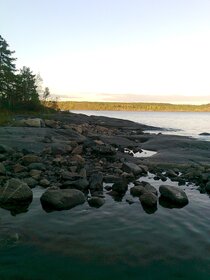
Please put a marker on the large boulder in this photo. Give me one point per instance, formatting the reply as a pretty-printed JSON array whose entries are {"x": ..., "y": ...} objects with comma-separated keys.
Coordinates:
[
  {"x": 96, "y": 182},
  {"x": 131, "y": 167},
  {"x": 15, "y": 191},
  {"x": 120, "y": 187},
  {"x": 56, "y": 199},
  {"x": 141, "y": 188},
  {"x": 174, "y": 195}
]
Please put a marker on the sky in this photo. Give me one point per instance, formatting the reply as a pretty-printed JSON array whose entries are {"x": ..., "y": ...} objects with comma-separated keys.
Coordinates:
[{"x": 114, "y": 50}]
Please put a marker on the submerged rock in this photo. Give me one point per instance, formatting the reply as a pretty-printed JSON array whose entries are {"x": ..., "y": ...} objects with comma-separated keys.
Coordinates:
[
  {"x": 173, "y": 194},
  {"x": 57, "y": 199}
]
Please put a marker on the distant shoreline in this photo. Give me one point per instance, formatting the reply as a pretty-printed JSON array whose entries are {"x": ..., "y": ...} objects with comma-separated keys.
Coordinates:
[{"x": 121, "y": 106}]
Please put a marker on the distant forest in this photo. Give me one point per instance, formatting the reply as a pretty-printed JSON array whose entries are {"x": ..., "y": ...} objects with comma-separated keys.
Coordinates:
[{"x": 116, "y": 106}]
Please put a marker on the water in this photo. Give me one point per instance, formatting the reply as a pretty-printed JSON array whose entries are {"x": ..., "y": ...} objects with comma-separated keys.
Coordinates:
[
  {"x": 179, "y": 123},
  {"x": 116, "y": 241}
]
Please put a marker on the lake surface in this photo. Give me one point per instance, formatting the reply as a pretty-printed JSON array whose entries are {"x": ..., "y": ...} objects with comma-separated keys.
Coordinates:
[
  {"x": 116, "y": 241},
  {"x": 180, "y": 123}
]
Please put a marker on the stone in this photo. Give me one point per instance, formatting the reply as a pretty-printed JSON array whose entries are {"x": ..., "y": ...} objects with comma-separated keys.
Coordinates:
[
  {"x": 19, "y": 168},
  {"x": 37, "y": 166},
  {"x": 79, "y": 184},
  {"x": 120, "y": 187},
  {"x": 148, "y": 199},
  {"x": 35, "y": 174},
  {"x": 15, "y": 191},
  {"x": 44, "y": 183},
  {"x": 96, "y": 201},
  {"x": 31, "y": 182},
  {"x": 36, "y": 122},
  {"x": 2, "y": 169},
  {"x": 27, "y": 159},
  {"x": 96, "y": 181},
  {"x": 104, "y": 150},
  {"x": 131, "y": 167},
  {"x": 173, "y": 194},
  {"x": 207, "y": 187},
  {"x": 51, "y": 123},
  {"x": 5, "y": 149},
  {"x": 77, "y": 150},
  {"x": 137, "y": 190},
  {"x": 56, "y": 199}
]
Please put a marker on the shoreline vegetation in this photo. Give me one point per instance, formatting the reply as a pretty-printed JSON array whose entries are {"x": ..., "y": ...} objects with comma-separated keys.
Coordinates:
[{"x": 120, "y": 106}]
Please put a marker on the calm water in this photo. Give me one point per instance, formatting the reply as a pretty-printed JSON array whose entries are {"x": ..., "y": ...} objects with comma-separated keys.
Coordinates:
[
  {"x": 116, "y": 241},
  {"x": 180, "y": 123}
]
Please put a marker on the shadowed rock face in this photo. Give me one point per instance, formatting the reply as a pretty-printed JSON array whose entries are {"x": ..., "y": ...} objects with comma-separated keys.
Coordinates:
[{"x": 57, "y": 199}]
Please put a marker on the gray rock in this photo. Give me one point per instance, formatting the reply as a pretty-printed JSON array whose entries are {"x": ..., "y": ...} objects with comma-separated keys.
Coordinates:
[
  {"x": 207, "y": 187},
  {"x": 96, "y": 201},
  {"x": 15, "y": 191},
  {"x": 131, "y": 167},
  {"x": 57, "y": 199},
  {"x": 148, "y": 199},
  {"x": 5, "y": 149},
  {"x": 173, "y": 194},
  {"x": 27, "y": 159},
  {"x": 2, "y": 169},
  {"x": 79, "y": 184},
  {"x": 44, "y": 183},
  {"x": 36, "y": 122},
  {"x": 120, "y": 187},
  {"x": 31, "y": 182},
  {"x": 37, "y": 166},
  {"x": 96, "y": 181},
  {"x": 137, "y": 190}
]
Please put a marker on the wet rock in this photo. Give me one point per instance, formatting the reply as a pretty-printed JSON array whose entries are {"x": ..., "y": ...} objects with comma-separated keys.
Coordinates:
[
  {"x": 205, "y": 134},
  {"x": 148, "y": 199},
  {"x": 5, "y": 149},
  {"x": 2, "y": 169},
  {"x": 96, "y": 201},
  {"x": 37, "y": 166},
  {"x": 34, "y": 173},
  {"x": 131, "y": 167},
  {"x": 96, "y": 181},
  {"x": 79, "y": 184},
  {"x": 57, "y": 199},
  {"x": 19, "y": 168},
  {"x": 44, "y": 183},
  {"x": 120, "y": 187},
  {"x": 31, "y": 158},
  {"x": 31, "y": 182},
  {"x": 137, "y": 190},
  {"x": 207, "y": 187},
  {"x": 15, "y": 191},
  {"x": 173, "y": 194},
  {"x": 112, "y": 179}
]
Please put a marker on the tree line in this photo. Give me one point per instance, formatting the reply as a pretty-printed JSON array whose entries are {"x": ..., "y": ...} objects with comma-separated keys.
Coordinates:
[
  {"x": 140, "y": 106},
  {"x": 19, "y": 88}
]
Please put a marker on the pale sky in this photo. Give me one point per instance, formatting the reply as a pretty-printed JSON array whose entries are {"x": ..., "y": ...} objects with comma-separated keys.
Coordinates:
[{"x": 114, "y": 50}]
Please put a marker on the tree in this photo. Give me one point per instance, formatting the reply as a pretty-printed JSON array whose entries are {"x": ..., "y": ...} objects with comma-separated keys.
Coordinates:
[
  {"x": 26, "y": 89},
  {"x": 7, "y": 73}
]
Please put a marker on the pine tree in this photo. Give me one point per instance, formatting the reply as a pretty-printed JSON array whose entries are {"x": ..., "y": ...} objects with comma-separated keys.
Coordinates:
[{"x": 7, "y": 74}]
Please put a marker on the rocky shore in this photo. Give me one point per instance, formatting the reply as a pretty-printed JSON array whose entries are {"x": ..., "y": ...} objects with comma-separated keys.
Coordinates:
[{"x": 77, "y": 158}]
